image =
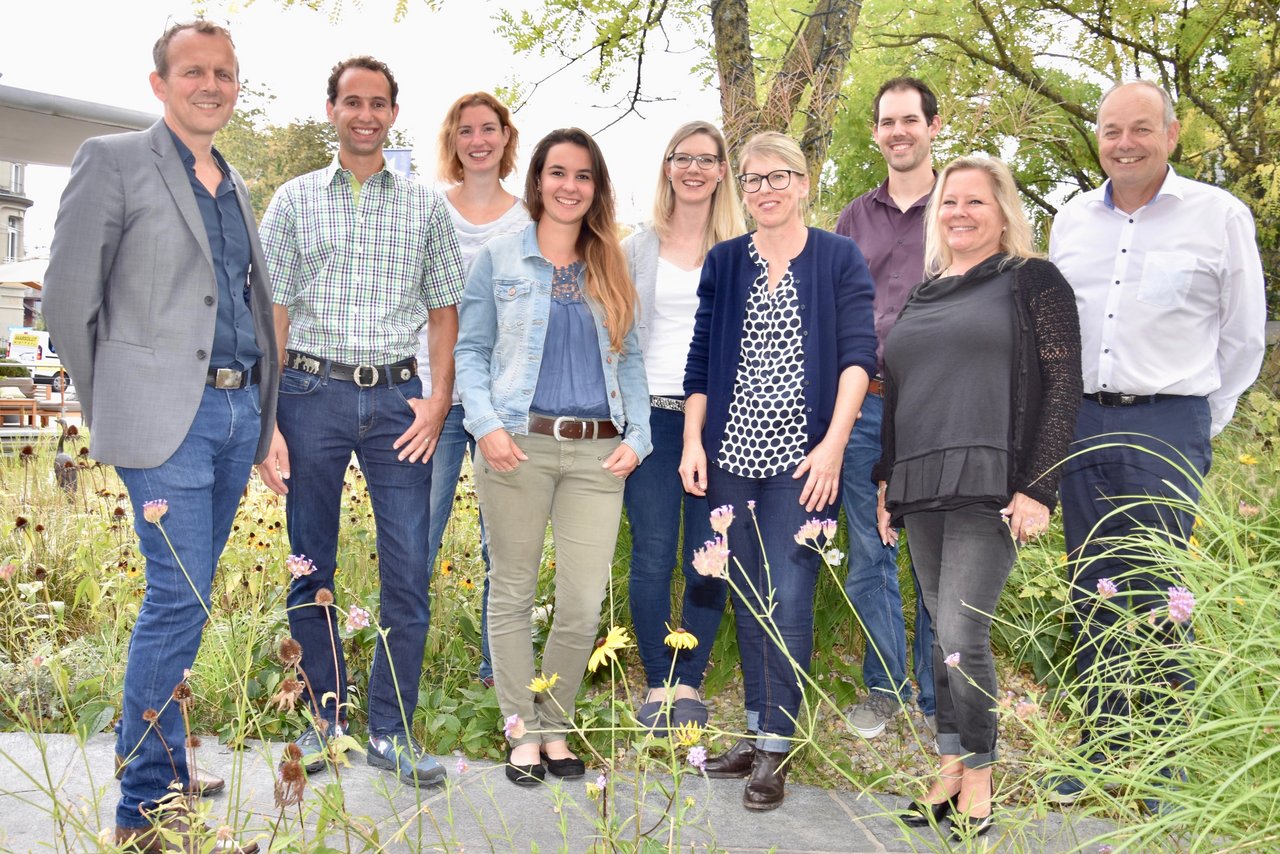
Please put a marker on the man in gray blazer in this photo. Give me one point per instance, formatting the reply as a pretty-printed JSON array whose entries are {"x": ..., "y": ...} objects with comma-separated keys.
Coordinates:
[{"x": 159, "y": 300}]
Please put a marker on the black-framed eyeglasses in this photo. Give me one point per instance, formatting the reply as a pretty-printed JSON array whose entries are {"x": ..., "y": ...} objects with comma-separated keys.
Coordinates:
[
  {"x": 779, "y": 179},
  {"x": 684, "y": 161}
]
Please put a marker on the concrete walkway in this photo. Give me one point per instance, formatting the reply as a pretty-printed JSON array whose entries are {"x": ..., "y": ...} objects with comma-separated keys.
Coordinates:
[{"x": 478, "y": 810}]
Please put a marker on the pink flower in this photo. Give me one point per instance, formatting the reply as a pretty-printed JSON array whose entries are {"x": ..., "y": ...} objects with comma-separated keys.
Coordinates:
[
  {"x": 462, "y": 765},
  {"x": 357, "y": 618},
  {"x": 36, "y": 661},
  {"x": 712, "y": 560},
  {"x": 952, "y": 660},
  {"x": 153, "y": 511},
  {"x": 513, "y": 727},
  {"x": 809, "y": 532},
  {"x": 1248, "y": 511},
  {"x": 1181, "y": 603},
  {"x": 751, "y": 505},
  {"x": 1026, "y": 708},
  {"x": 698, "y": 757},
  {"x": 1106, "y": 588},
  {"x": 829, "y": 528},
  {"x": 721, "y": 519},
  {"x": 602, "y": 780},
  {"x": 299, "y": 565},
  {"x": 7, "y": 571}
]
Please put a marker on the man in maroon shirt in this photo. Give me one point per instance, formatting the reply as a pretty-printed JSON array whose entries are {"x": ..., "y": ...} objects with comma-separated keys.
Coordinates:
[{"x": 888, "y": 225}]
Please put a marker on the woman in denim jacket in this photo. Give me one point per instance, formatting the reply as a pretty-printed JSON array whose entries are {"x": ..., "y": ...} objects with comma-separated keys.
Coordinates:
[
  {"x": 694, "y": 208},
  {"x": 553, "y": 387}
]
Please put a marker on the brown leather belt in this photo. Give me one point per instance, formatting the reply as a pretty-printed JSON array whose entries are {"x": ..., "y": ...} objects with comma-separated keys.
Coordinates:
[
  {"x": 876, "y": 387},
  {"x": 567, "y": 427}
]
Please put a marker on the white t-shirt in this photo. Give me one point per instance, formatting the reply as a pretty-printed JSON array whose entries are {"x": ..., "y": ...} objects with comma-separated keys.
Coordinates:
[
  {"x": 470, "y": 238},
  {"x": 674, "y": 305}
]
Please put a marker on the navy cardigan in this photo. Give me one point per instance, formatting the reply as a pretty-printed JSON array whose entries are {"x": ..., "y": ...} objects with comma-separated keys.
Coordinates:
[{"x": 836, "y": 314}]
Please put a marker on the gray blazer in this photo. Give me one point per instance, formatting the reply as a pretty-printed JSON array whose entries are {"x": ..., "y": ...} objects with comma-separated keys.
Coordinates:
[
  {"x": 130, "y": 298},
  {"x": 641, "y": 248}
]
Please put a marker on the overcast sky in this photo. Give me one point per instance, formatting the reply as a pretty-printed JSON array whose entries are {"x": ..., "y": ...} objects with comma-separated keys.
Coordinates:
[{"x": 102, "y": 52}]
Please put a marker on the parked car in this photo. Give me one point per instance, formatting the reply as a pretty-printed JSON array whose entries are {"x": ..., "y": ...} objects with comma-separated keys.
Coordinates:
[{"x": 32, "y": 348}]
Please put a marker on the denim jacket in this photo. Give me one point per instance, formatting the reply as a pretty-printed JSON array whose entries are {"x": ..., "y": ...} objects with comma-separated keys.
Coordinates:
[{"x": 502, "y": 326}]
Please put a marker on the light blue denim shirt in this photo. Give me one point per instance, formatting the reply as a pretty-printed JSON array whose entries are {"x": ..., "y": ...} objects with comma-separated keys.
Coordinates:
[{"x": 502, "y": 328}]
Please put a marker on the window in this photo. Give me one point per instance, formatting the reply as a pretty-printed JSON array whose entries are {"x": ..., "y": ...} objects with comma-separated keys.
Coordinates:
[
  {"x": 11, "y": 240},
  {"x": 17, "y": 176}
]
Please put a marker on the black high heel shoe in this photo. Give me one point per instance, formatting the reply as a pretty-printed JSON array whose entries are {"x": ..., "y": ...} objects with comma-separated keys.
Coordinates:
[
  {"x": 916, "y": 814},
  {"x": 525, "y": 775},
  {"x": 967, "y": 827}
]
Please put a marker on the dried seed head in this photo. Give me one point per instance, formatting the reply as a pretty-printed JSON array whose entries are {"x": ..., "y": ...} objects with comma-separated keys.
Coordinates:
[
  {"x": 324, "y": 597},
  {"x": 292, "y": 752},
  {"x": 182, "y": 694},
  {"x": 150, "y": 716},
  {"x": 193, "y": 742},
  {"x": 290, "y": 652}
]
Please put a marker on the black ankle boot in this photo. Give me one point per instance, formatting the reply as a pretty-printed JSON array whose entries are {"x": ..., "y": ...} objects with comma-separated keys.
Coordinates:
[
  {"x": 734, "y": 763},
  {"x": 767, "y": 786}
]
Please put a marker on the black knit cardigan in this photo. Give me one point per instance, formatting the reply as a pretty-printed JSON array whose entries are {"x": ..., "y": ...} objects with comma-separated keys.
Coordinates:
[{"x": 1047, "y": 384}]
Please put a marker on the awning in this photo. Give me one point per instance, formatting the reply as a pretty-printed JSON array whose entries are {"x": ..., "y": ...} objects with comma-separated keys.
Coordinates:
[{"x": 48, "y": 129}]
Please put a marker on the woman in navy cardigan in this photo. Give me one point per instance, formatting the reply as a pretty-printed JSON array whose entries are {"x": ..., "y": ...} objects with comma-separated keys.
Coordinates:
[{"x": 783, "y": 347}]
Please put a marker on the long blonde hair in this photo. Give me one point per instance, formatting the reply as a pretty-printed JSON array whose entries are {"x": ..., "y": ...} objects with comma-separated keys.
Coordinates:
[
  {"x": 607, "y": 281},
  {"x": 1015, "y": 240},
  {"x": 726, "y": 212}
]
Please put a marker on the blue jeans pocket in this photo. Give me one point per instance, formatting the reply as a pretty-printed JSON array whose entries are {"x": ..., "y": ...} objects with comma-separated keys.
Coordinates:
[{"x": 293, "y": 381}]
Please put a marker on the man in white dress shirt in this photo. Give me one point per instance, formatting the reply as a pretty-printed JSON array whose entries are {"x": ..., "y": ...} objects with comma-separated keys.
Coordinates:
[{"x": 1169, "y": 285}]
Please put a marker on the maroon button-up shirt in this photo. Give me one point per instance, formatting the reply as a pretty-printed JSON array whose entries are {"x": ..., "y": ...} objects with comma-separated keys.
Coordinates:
[{"x": 893, "y": 242}]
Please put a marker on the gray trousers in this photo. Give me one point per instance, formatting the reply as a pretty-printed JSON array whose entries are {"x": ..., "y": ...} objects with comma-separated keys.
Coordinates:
[
  {"x": 962, "y": 560},
  {"x": 563, "y": 483}
]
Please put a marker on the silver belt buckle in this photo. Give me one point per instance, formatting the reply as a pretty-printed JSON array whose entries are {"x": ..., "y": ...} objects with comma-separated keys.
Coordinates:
[
  {"x": 1127, "y": 399},
  {"x": 373, "y": 376},
  {"x": 306, "y": 364},
  {"x": 559, "y": 422},
  {"x": 228, "y": 378}
]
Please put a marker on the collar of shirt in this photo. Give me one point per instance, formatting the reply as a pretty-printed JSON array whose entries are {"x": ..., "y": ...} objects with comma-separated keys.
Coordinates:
[
  {"x": 881, "y": 194},
  {"x": 189, "y": 160},
  {"x": 336, "y": 170},
  {"x": 1173, "y": 185}
]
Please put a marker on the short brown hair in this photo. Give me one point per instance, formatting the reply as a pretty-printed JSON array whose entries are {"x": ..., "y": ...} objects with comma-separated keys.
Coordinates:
[
  {"x": 160, "y": 52},
  {"x": 367, "y": 62},
  {"x": 449, "y": 167}
]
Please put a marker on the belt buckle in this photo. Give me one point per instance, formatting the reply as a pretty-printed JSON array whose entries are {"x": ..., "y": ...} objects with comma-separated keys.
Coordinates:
[
  {"x": 560, "y": 421},
  {"x": 306, "y": 364},
  {"x": 228, "y": 378},
  {"x": 1127, "y": 399},
  {"x": 373, "y": 376}
]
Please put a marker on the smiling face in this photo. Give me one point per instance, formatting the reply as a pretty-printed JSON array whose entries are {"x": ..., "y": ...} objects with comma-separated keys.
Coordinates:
[
  {"x": 772, "y": 208},
  {"x": 693, "y": 184},
  {"x": 566, "y": 185},
  {"x": 1134, "y": 143},
  {"x": 200, "y": 90},
  {"x": 362, "y": 114},
  {"x": 969, "y": 216},
  {"x": 481, "y": 139},
  {"x": 904, "y": 136}
]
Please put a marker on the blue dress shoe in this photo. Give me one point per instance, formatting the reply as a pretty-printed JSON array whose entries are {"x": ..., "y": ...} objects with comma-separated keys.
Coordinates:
[{"x": 398, "y": 753}]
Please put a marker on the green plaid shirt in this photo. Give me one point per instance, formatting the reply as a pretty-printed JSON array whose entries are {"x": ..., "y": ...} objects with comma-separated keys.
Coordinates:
[{"x": 358, "y": 280}]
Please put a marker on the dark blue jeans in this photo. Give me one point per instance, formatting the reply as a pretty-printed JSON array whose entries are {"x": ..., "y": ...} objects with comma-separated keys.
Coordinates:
[
  {"x": 202, "y": 482},
  {"x": 872, "y": 582},
  {"x": 1159, "y": 449},
  {"x": 324, "y": 421},
  {"x": 656, "y": 502},
  {"x": 770, "y": 573},
  {"x": 446, "y": 469}
]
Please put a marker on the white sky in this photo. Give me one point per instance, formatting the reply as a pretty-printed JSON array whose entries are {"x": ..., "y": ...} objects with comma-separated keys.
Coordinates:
[{"x": 102, "y": 52}]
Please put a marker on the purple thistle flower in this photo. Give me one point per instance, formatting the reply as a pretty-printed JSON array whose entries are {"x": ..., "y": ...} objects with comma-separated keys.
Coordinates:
[
  {"x": 154, "y": 510},
  {"x": 952, "y": 660},
  {"x": 698, "y": 757},
  {"x": 299, "y": 565},
  {"x": 1181, "y": 603},
  {"x": 751, "y": 505},
  {"x": 602, "y": 780},
  {"x": 462, "y": 765},
  {"x": 1107, "y": 588},
  {"x": 721, "y": 519}
]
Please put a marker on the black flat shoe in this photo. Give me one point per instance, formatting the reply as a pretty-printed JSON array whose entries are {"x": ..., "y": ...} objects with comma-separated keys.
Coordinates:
[
  {"x": 965, "y": 827},
  {"x": 916, "y": 814},
  {"x": 735, "y": 762},
  {"x": 525, "y": 775},
  {"x": 767, "y": 786},
  {"x": 569, "y": 768}
]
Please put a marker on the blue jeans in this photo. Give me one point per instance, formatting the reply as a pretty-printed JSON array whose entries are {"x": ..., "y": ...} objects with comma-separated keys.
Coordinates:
[
  {"x": 324, "y": 421},
  {"x": 447, "y": 468},
  {"x": 656, "y": 501},
  {"x": 872, "y": 582},
  {"x": 1096, "y": 481},
  {"x": 770, "y": 572},
  {"x": 202, "y": 482}
]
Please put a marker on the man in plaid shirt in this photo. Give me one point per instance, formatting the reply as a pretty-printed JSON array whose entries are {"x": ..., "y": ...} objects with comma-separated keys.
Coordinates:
[{"x": 360, "y": 257}]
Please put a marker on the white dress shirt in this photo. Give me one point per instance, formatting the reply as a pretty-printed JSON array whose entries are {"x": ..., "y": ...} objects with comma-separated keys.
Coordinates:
[{"x": 1171, "y": 296}]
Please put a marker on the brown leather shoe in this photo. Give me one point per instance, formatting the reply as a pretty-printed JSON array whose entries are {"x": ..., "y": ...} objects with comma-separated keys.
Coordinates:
[
  {"x": 735, "y": 763},
  {"x": 203, "y": 786},
  {"x": 190, "y": 840},
  {"x": 767, "y": 786}
]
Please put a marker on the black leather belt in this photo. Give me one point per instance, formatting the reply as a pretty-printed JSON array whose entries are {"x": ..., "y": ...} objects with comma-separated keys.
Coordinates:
[
  {"x": 365, "y": 376},
  {"x": 672, "y": 404},
  {"x": 567, "y": 427},
  {"x": 1115, "y": 398},
  {"x": 231, "y": 378}
]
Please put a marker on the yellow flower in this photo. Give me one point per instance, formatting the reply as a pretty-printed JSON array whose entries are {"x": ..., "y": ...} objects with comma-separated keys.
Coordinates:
[
  {"x": 680, "y": 639},
  {"x": 607, "y": 648},
  {"x": 687, "y": 734},
  {"x": 543, "y": 683},
  {"x": 446, "y": 567},
  {"x": 1248, "y": 459},
  {"x": 468, "y": 584},
  {"x": 593, "y": 791},
  {"x": 689, "y": 802}
]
